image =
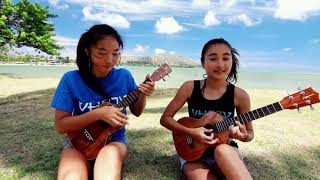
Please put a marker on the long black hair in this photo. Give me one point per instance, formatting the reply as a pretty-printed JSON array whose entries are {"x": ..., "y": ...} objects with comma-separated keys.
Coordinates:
[
  {"x": 87, "y": 40},
  {"x": 232, "y": 76}
]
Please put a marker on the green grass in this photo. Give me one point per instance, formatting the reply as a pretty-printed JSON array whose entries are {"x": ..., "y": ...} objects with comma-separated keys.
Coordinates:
[{"x": 286, "y": 144}]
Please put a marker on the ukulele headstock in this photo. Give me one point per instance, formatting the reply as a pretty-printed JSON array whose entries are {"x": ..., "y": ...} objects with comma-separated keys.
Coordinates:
[
  {"x": 161, "y": 72},
  {"x": 305, "y": 97}
]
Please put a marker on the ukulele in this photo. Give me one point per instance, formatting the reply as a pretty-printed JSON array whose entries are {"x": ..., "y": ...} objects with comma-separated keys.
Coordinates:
[
  {"x": 191, "y": 149},
  {"x": 92, "y": 138}
]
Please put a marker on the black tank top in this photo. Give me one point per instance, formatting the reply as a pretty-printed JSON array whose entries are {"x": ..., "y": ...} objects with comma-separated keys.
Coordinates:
[{"x": 199, "y": 106}]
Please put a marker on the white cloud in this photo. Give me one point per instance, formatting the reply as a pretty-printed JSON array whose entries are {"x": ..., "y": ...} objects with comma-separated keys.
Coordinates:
[
  {"x": 138, "y": 10},
  {"x": 315, "y": 41},
  {"x": 168, "y": 25},
  {"x": 172, "y": 52},
  {"x": 296, "y": 10},
  {"x": 66, "y": 41},
  {"x": 140, "y": 48},
  {"x": 210, "y": 19},
  {"x": 249, "y": 12},
  {"x": 202, "y": 4},
  {"x": 55, "y": 3},
  {"x": 159, "y": 51},
  {"x": 286, "y": 49},
  {"x": 115, "y": 20},
  {"x": 228, "y": 3},
  {"x": 65, "y": 6},
  {"x": 245, "y": 19}
]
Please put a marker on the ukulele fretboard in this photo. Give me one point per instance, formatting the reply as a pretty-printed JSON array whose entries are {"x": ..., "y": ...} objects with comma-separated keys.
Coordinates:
[
  {"x": 247, "y": 117},
  {"x": 129, "y": 99}
]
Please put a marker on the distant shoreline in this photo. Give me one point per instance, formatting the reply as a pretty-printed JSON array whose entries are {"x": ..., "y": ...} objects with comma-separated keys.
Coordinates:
[
  {"x": 38, "y": 64},
  {"x": 74, "y": 64}
]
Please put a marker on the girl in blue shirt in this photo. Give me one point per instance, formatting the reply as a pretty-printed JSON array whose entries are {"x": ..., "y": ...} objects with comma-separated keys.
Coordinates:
[{"x": 80, "y": 92}]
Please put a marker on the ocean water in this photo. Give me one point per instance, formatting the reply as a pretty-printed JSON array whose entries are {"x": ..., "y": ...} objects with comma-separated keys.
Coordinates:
[{"x": 289, "y": 81}]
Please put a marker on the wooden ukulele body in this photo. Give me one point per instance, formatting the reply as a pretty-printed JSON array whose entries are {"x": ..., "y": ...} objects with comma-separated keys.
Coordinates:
[
  {"x": 191, "y": 149},
  {"x": 90, "y": 141}
]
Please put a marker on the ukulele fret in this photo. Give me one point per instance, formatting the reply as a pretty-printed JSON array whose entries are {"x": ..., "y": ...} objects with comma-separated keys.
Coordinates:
[
  {"x": 219, "y": 126},
  {"x": 257, "y": 114},
  {"x": 270, "y": 109},
  {"x": 241, "y": 120},
  {"x": 246, "y": 117},
  {"x": 225, "y": 125},
  {"x": 251, "y": 115},
  {"x": 265, "y": 110},
  {"x": 129, "y": 99},
  {"x": 260, "y": 111}
]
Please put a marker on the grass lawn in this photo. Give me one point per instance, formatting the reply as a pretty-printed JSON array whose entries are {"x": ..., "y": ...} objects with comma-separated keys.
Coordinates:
[{"x": 286, "y": 144}]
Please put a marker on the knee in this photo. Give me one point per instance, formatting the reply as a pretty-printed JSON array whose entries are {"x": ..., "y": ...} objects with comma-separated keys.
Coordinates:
[
  {"x": 187, "y": 170},
  {"x": 111, "y": 150},
  {"x": 195, "y": 170},
  {"x": 223, "y": 150},
  {"x": 72, "y": 175}
]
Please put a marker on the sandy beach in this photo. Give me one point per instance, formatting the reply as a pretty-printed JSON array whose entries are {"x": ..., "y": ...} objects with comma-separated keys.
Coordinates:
[{"x": 11, "y": 86}]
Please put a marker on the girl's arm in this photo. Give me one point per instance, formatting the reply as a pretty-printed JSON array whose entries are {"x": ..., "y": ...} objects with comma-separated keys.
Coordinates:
[
  {"x": 242, "y": 103},
  {"x": 174, "y": 106},
  {"x": 146, "y": 89},
  {"x": 65, "y": 122}
]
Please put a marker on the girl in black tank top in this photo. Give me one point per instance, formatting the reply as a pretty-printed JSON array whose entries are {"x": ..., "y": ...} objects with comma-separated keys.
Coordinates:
[
  {"x": 199, "y": 106},
  {"x": 214, "y": 94}
]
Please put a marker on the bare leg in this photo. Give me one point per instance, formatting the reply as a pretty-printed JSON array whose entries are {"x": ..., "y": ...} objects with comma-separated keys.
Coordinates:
[
  {"x": 73, "y": 165},
  {"x": 230, "y": 163},
  {"x": 109, "y": 161},
  {"x": 197, "y": 170}
]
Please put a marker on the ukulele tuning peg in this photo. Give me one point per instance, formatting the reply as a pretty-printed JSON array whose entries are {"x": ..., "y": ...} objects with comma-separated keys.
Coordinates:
[
  {"x": 310, "y": 104},
  {"x": 302, "y": 93},
  {"x": 298, "y": 110},
  {"x": 290, "y": 96},
  {"x": 311, "y": 107},
  {"x": 297, "y": 107}
]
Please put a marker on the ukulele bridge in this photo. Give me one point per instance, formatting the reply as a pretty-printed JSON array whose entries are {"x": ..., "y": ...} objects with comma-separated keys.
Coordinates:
[
  {"x": 189, "y": 140},
  {"x": 88, "y": 136}
]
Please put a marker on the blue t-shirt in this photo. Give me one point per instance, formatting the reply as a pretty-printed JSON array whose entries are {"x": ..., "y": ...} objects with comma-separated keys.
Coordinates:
[{"x": 73, "y": 94}]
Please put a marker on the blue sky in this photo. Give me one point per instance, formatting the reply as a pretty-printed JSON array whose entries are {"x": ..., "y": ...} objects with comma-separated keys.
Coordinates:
[{"x": 269, "y": 34}]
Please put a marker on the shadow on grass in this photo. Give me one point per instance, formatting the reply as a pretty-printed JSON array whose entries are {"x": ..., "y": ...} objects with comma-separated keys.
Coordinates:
[
  {"x": 151, "y": 155},
  {"x": 29, "y": 143},
  {"x": 299, "y": 164},
  {"x": 163, "y": 93},
  {"x": 11, "y": 75},
  {"x": 27, "y": 96}
]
